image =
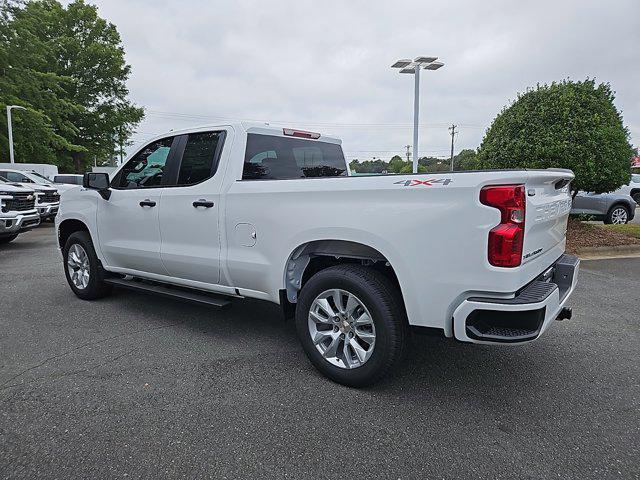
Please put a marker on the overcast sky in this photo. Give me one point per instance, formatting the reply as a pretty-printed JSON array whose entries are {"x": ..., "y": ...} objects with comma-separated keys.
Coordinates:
[{"x": 325, "y": 65}]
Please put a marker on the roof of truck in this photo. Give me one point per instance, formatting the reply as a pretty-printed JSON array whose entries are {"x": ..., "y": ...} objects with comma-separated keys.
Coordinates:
[{"x": 262, "y": 128}]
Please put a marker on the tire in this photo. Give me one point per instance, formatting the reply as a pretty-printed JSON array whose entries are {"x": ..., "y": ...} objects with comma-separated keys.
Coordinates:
[
  {"x": 95, "y": 286},
  {"x": 378, "y": 298},
  {"x": 618, "y": 214},
  {"x": 7, "y": 239},
  {"x": 636, "y": 197}
]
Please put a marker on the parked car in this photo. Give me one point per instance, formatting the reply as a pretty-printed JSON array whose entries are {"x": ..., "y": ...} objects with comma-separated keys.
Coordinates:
[
  {"x": 632, "y": 189},
  {"x": 48, "y": 198},
  {"x": 68, "y": 179},
  {"x": 17, "y": 211},
  {"x": 268, "y": 213},
  {"x": 608, "y": 207}
]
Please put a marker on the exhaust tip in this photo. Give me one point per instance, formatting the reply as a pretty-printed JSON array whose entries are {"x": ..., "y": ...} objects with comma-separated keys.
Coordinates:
[{"x": 565, "y": 314}]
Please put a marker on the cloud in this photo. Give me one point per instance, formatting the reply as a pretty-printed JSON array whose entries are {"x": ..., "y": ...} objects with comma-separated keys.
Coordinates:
[{"x": 325, "y": 65}]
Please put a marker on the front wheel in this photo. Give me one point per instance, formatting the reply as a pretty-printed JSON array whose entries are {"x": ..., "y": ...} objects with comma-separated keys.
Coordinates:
[
  {"x": 82, "y": 267},
  {"x": 8, "y": 238},
  {"x": 617, "y": 215},
  {"x": 351, "y": 323}
]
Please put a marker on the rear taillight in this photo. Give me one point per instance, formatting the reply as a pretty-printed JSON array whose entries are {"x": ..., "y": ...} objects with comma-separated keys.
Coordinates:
[{"x": 506, "y": 239}]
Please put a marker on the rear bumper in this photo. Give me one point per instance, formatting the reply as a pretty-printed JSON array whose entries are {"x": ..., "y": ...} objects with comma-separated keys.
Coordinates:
[
  {"x": 48, "y": 210},
  {"x": 19, "y": 223},
  {"x": 522, "y": 317}
]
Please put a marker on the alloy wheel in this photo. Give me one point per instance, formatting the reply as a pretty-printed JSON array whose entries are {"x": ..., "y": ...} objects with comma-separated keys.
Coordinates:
[
  {"x": 78, "y": 266},
  {"x": 341, "y": 328},
  {"x": 619, "y": 216}
]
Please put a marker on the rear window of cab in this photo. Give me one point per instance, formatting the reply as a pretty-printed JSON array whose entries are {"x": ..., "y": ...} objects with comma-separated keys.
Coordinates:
[{"x": 269, "y": 157}]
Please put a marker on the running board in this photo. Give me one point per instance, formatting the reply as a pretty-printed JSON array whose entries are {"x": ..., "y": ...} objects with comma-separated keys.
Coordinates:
[{"x": 191, "y": 295}]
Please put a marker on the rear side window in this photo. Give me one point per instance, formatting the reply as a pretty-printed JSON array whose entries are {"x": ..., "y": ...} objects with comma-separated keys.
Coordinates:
[
  {"x": 199, "y": 160},
  {"x": 277, "y": 158}
]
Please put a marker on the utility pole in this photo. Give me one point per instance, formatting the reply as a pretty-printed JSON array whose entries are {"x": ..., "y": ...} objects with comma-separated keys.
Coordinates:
[
  {"x": 408, "y": 147},
  {"x": 452, "y": 129}
]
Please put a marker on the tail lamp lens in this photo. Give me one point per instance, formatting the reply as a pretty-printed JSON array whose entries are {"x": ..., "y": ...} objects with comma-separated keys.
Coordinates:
[{"x": 507, "y": 238}]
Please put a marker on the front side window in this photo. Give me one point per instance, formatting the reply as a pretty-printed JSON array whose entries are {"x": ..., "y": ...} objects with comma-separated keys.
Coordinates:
[
  {"x": 268, "y": 157},
  {"x": 199, "y": 157},
  {"x": 146, "y": 169}
]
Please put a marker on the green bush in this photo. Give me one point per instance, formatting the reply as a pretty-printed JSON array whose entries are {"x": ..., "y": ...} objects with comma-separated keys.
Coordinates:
[{"x": 572, "y": 125}]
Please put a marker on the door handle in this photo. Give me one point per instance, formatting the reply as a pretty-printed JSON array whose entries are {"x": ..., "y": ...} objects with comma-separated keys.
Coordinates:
[
  {"x": 203, "y": 203},
  {"x": 147, "y": 203}
]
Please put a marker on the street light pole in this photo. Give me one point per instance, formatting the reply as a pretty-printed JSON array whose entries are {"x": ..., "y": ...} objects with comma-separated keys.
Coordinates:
[
  {"x": 413, "y": 67},
  {"x": 416, "y": 116},
  {"x": 9, "y": 127}
]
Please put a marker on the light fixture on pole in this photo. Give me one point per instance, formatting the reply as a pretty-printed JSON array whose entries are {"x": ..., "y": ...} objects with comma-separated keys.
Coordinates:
[
  {"x": 9, "y": 127},
  {"x": 413, "y": 67}
]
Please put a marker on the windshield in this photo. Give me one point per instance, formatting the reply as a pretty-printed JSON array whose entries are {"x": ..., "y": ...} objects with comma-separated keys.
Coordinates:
[{"x": 39, "y": 178}]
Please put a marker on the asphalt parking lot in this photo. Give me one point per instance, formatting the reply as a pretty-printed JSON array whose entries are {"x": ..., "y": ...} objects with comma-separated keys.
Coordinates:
[{"x": 140, "y": 386}]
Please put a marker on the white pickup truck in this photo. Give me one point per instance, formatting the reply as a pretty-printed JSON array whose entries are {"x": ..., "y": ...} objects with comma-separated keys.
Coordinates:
[{"x": 243, "y": 210}]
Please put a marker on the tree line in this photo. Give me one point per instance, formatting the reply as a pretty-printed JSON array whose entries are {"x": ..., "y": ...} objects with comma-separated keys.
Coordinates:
[
  {"x": 465, "y": 160},
  {"x": 66, "y": 66}
]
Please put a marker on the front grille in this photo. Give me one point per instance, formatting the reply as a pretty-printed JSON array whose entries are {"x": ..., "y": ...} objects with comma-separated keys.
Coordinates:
[
  {"x": 49, "y": 197},
  {"x": 20, "y": 203}
]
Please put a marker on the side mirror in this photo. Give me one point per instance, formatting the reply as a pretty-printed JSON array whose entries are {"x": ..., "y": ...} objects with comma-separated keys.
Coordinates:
[{"x": 99, "y": 182}]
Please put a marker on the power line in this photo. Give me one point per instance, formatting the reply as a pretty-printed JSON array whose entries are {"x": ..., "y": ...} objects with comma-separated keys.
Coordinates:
[{"x": 191, "y": 116}]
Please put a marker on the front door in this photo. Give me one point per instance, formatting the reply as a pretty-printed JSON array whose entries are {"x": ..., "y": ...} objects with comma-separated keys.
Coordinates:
[
  {"x": 190, "y": 210},
  {"x": 128, "y": 227}
]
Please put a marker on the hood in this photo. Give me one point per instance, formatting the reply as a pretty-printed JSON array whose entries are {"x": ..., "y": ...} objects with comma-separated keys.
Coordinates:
[{"x": 14, "y": 188}]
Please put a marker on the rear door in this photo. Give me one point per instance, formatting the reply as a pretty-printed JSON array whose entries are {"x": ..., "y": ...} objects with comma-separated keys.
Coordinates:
[
  {"x": 548, "y": 205},
  {"x": 190, "y": 210},
  {"x": 128, "y": 228}
]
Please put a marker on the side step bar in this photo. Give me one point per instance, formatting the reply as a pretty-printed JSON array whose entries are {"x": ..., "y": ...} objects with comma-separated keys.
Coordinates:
[{"x": 196, "y": 296}]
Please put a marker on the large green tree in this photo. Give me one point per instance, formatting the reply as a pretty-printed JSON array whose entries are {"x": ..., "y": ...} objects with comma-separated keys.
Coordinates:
[
  {"x": 67, "y": 66},
  {"x": 568, "y": 124}
]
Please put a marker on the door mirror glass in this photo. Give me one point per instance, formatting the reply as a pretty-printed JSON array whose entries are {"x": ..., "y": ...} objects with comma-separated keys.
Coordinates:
[{"x": 96, "y": 181}]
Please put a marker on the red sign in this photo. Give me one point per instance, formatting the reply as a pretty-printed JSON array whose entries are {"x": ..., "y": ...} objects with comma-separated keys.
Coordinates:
[{"x": 635, "y": 162}]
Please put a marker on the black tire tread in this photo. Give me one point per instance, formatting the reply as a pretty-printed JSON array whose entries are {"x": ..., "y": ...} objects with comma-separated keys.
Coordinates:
[{"x": 392, "y": 308}]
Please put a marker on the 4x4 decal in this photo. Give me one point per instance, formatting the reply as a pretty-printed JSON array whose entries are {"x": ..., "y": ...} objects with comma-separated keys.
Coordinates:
[{"x": 428, "y": 183}]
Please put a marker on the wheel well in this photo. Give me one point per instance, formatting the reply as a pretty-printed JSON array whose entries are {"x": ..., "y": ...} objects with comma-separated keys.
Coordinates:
[
  {"x": 634, "y": 191},
  {"x": 310, "y": 258},
  {"x": 68, "y": 227},
  {"x": 618, "y": 204}
]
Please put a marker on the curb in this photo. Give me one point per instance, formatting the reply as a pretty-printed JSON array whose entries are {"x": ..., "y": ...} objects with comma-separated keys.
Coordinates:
[{"x": 619, "y": 251}]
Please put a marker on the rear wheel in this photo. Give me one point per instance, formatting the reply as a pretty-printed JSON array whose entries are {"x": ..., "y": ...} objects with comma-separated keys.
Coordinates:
[
  {"x": 7, "y": 239},
  {"x": 82, "y": 267},
  {"x": 636, "y": 197},
  {"x": 351, "y": 323},
  {"x": 617, "y": 215}
]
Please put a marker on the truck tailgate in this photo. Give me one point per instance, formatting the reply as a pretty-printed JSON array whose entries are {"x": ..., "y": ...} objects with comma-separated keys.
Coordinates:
[{"x": 547, "y": 211}]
